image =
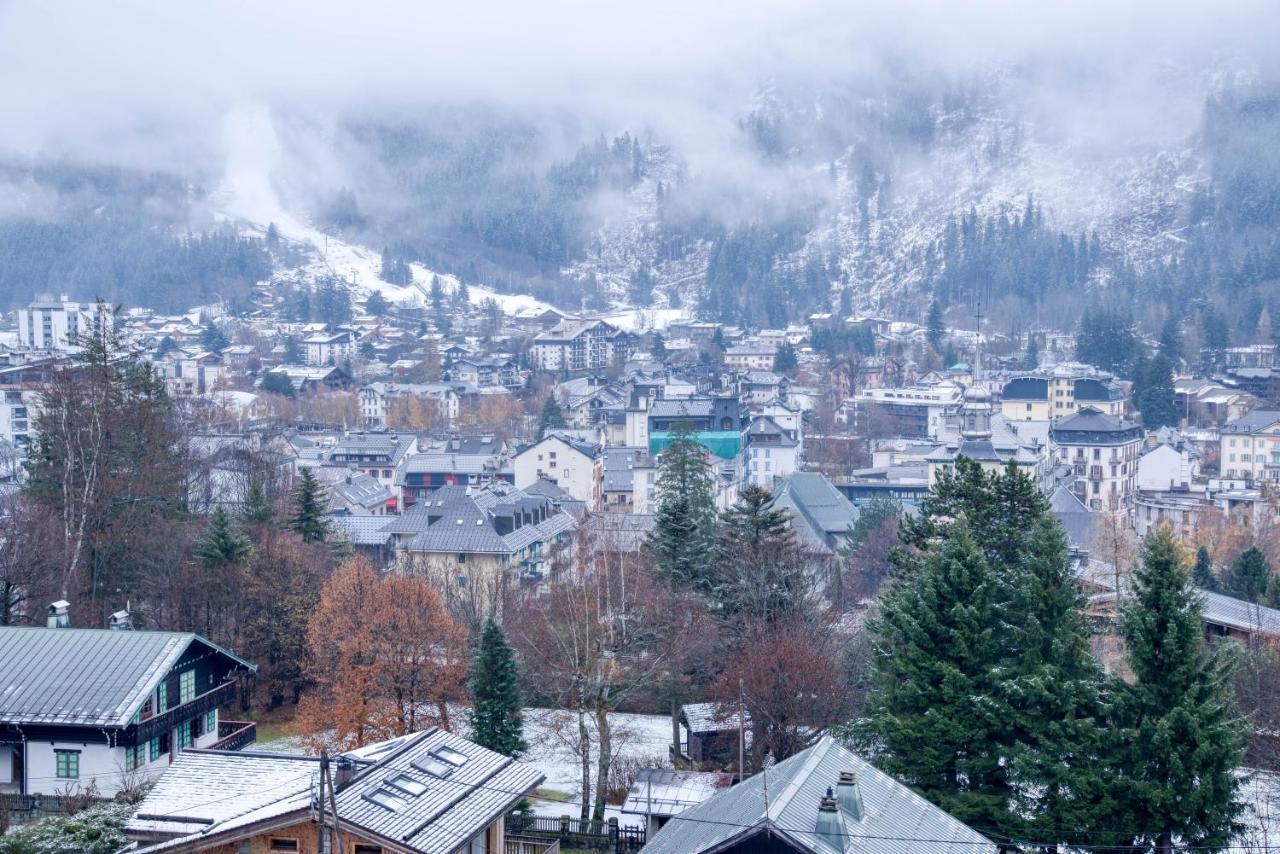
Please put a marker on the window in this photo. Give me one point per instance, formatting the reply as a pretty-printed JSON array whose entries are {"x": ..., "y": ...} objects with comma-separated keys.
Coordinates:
[
  {"x": 407, "y": 784},
  {"x": 154, "y": 749},
  {"x": 479, "y": 843},
  {"x": 184, "y": 735},
  {"x": 211, "y": 721},
  {"x": 135, "y": 756},
  {"x": 162, "y": 696},
  {"x": 186, "y": 686},
  {"x": 67, "y": 763},
  {"x": 387, "y": 799},
  {"x": 368, "y": 849},
  {"x": 277, "y": 844}
]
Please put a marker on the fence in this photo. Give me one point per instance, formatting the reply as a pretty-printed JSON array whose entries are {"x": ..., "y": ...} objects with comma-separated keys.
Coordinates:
[
  {"x": 576, "y": 833},
  {"x": 17, "y": 809},
  {"x": 530, "y": 845}
]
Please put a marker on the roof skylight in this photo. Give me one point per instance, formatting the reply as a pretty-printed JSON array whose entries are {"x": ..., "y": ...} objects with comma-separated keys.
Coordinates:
[
  {"x": 453, "y": 757},
  {"x": 433, "y": 766},
  {"x": 387, "y": 799},
  {"x": 406, "y": 784}
]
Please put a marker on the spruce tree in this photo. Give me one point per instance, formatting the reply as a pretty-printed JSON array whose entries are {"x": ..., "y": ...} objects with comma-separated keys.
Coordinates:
[
  {"x": 784, "y": 360},
  {"x": 258, "y": 509},
  {"x": 1185, "y": 739},
  {"x": 1248, "y": 576},
  {"x": 683, "y": 537},
  {"x": 935, "y": 329},
  {"x": 938, "y": 714},
  {"x": 310, "y": 500},
  {"x": 496, "y": 718},
  {"x": 1158, "y": 407},
  {"x": 222, "y": 544},
  {"x": 761, "y": 571},
  {"x": 1031, "y": 361},
  {"x": 551, "y": 418},
  {"x": 1202, "y": 573},
  {"x": 1171, "y": 339}
]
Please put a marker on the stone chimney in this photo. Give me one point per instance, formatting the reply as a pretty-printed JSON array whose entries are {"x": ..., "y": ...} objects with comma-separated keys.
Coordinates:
[
  {"x": 830, "y": 825},
  {"x": 848, "y": 796},
  {"x": 59, "y": 615},
  {"x": 344, "y": 768}
]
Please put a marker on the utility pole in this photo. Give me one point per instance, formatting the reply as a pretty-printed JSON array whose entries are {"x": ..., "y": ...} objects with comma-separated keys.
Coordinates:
[
  {"x": 326, "y": 780},
  {"x": 742, "y": 738}
]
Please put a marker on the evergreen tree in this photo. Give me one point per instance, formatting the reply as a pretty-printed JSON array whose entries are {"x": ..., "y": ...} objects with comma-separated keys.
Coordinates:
[
  {"x": 292, "y": 351},
  {"x": 1249, "y": 576},
  {"x": 310, "y": 507},
  {"x": 935, "y": 329},
  {"x": 938, "y": 714},
  {"x": 1202, "y": 573},
  {"x": 683, "y": 537},
  {"x": 214, "y": 339},
  {"x": 784, "y": 360},
  {"x": 437, "y": 293},
  {"x": 1185, "y": 739},
  {"x": 1157, "y": 405},
  {"x": 760, "y": 569},
  {"x": 1171, "y": 339},
  {"x": 277, "y": 382},
  {"x": 496, "y": 719},
  {"x": 658, "y": 349},
  {"x": 377, "y": 304},
  {"x": 258, "y": 509},
  {"x": 552, "y": 418},
  {"x": 273, "y": 236},
  {"x": 1031, "y": 361},
  {"x": 222, "y": 544}
]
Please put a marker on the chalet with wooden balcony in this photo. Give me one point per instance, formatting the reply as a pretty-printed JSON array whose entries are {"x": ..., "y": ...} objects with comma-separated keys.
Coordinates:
[{"x": 85, "y": 709}]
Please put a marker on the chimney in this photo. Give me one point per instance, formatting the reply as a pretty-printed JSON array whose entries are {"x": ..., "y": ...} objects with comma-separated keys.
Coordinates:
[
  {"x": 120, "y": 621},
  {"x": 344, "y": 770},
  {"x": 848, "y": 795},
  {"x": 59, "y": 618},
  {"x": 830, "y": 826}
]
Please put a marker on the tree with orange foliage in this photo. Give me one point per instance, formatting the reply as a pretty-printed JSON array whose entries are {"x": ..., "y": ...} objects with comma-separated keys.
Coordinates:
[{"x": 385, "y": 657}]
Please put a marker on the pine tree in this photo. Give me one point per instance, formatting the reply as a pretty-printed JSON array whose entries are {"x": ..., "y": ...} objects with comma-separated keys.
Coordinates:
[
  {"x": 1031, "y": 361},
  {"x": 1171, "y": 339},
  {"x": 214, "y": 339},
  {"x": 1202, "y": 573},
  {"x": 552, "y": 418},
  {"x": 310, "y": 500},
  {"x": 1185, "y": 739},
  {"x": 376, "y": 304},
  {"x": 938, "y": 713},
  {"x": 496, "y": 719},
  {"x": 222, "y": 544},
  {"x": 658, "y": 349},
  {"x": 683, "y": 537},
  {"x": 1249, "y": 576},
  {"x": 935, "y": 329},
  {"x": 784, "y": 360},
  {"x": 760, "y": 569},
  {"x": 258, "y": 509},
  {"x": 277, "y": 383},
  {"x": 1158, "y": 406}
]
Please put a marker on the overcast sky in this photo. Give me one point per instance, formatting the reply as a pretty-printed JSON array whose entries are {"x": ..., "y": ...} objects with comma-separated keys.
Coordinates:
[{"x": 132, "y": 81}]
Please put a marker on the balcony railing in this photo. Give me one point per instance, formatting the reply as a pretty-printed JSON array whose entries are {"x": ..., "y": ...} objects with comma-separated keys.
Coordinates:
[
  {"x": 235, "y": 735},
  {"x": 159, "y": 724}
]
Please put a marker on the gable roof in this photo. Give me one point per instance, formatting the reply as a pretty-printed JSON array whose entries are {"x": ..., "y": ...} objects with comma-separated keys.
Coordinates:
[
  {"x": 477, "y": 787},
  {"x": 1258, "y": 419},
  {"x": 894, "y": 818},
  {"x": 86, "y": 677},
  {"x": 1076, "y": 519},
  {"x": 814, "y": 501}
]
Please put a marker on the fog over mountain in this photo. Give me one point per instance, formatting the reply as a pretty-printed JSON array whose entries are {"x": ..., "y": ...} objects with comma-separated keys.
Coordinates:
[{"x": 757, "y": 161}]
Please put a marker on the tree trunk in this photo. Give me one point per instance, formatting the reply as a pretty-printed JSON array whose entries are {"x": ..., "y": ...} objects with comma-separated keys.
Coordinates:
[
  {"x": 584, "y": 749},
  {"x": 603, "y": 759}
]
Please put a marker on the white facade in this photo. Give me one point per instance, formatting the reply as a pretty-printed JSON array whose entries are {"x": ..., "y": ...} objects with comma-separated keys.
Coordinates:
[
  {"x": 1165, "y": 467},
  {"x": 1252, "y": 455},
  {"x": 376, "y": 400},
  {"x": 328, "y": 348},
  {"x": 18, "y": 410},
  {"x": 49, "y": 324},
  {"x": 568, "y": 467},
  {"x": 767, "y": 464}
]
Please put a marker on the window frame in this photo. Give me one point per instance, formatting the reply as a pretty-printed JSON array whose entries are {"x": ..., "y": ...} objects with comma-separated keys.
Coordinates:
[{"x": 72, "y": 763}]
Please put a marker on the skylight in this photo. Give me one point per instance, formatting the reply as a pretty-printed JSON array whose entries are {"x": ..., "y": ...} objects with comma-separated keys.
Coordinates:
[
  {"x": 433, "y": 766},
  {"x": 406, "y": 784},
  {"x": 453, "y": 757},
  {"x": 387, "y": 799}
]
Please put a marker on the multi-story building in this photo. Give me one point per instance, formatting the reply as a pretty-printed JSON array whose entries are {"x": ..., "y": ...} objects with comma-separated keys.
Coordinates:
[
  {"x": 751, "y": 357},
  {"x": 54, "y": 324},
  {"x": 1103, "y": 452},
  {"x": 1249, "y": 447},
  {"x": 575, "y": 466},
  {"x": 378, "y": 455},
  {"x": 912, "y": 412},
  {"x": 580, "y": 345},
  {"x": 772, "y": 453},
  {"x": 1044, "y": 396},
  {"x": 96, "y": 710},
  {"x": 379, "y": 401},
  {"x": 328, "y": 348}
]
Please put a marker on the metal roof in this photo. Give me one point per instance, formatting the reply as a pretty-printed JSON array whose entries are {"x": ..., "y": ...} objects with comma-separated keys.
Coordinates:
[
  {"x": 86, "y": 677},
  {"x": 894, "y": 818},
  {"x": 1258, "y": 420},
  {"x": 711, "y": 717},
  {"x": 667, "y": 792},
  {"x": 362, "y": 530}
]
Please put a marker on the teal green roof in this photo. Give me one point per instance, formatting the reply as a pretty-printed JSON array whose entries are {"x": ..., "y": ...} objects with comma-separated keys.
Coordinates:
[{"x": 725, "y": 444}]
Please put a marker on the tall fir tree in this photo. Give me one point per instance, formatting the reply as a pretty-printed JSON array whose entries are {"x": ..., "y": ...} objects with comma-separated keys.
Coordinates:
[
  {"x": 760, "y": 569},
  {"x": 1031, "y": 360},
  {"x": 935, "y": 329},
  {"x": 938, "y": 714},
  {"x": 1202, "y": 572},
  {"x": 310, "y": 500},
  {"x": 1249, "y": 576},
  {"x": 1185, "y": 739},
  {"x": 784, "y": 360},
  {"x": 683, "y": 537},
  {"x": 496, "y": 718},
  {"x": 1171, "y": 339},
  {"x": 551, "y": 418},
  {"x": 1158, "y": 406},
  {"x": 223, "y": 543}
]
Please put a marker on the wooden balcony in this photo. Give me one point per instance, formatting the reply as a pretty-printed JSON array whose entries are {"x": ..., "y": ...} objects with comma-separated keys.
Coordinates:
[
  {"x": 156, "y": 725},
  {"x": 235, "y": 735}
]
